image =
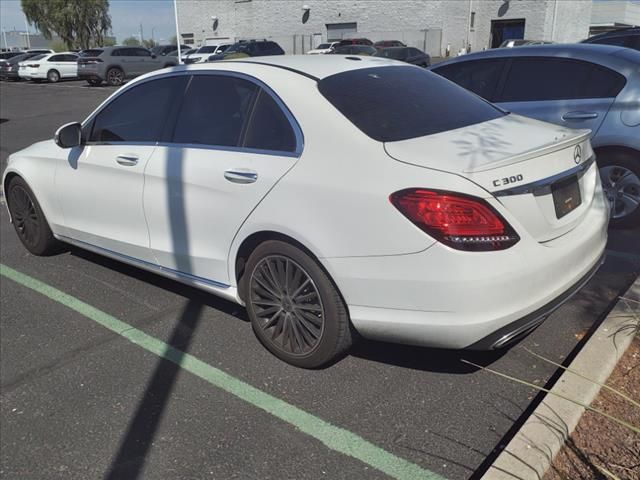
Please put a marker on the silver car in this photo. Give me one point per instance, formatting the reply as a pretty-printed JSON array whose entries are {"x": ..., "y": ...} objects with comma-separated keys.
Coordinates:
[{"x": 579, "y": 86}]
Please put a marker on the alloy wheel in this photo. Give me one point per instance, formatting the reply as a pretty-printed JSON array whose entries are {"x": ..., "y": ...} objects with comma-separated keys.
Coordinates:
[
  {"x": 115, "y": 77},
  {"x": 25, "y": 215},
  {"x": 287, "y": 304},
  {"x": 622, "y": 187},
  {"x": 53, "y": 76}
]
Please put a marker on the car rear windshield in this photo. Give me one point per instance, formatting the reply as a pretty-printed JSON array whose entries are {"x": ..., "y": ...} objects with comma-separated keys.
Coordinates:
[
  {"x": 207, "y": 49},
  {"x": 400, "y": 102}
]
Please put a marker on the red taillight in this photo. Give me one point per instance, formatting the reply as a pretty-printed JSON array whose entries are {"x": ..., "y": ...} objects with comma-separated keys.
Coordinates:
[
  {"x": 459, "y": 221},
  {"x": 91, "y": 61},
  {"x": 33, "y": 65}
]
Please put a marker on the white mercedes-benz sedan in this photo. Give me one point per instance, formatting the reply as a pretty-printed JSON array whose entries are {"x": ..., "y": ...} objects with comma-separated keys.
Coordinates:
[{"x": 331, "y": 195}]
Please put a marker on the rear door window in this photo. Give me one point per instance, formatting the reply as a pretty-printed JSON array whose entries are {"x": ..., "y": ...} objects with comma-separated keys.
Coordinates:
[
  {"x": 214, "y": 111},
  {"x": 400, "y": 102},
  {"x": 540, "y": 79},
  {"x": 138, "y": 114},
  {"x": 269, "y": 128},
  {"x": 479, "y": 76}
]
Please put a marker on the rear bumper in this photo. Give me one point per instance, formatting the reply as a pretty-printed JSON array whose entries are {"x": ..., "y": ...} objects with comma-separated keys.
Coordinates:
[
  {"x": 451, "y": 299},
  {"x": 518, "y": 329},
  {"x": 89, "y": 73}
]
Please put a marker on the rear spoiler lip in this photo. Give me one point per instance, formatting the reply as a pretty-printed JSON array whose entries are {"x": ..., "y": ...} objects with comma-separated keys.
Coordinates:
[
  {"x": 554, "y": 146},
  {"x": 543, "y": 186}
]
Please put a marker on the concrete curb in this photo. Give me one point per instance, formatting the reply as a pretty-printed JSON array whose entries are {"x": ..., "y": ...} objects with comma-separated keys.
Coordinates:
[{"x": 530, "y": 453}]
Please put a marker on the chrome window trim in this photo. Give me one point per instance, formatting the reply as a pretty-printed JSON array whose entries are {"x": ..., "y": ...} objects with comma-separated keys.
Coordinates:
[
  {"x": 543, "y": 186},
  {"x": 299, "y": 136}
]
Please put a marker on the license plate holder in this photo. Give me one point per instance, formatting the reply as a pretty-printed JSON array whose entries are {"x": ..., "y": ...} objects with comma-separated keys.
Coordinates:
[{"x": 566, "y": 196}]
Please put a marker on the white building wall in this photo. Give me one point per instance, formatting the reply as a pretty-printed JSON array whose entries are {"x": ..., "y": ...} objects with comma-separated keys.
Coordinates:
[
  {"x": 616, "y": 11},
  {"x": 284, "y": 19}
]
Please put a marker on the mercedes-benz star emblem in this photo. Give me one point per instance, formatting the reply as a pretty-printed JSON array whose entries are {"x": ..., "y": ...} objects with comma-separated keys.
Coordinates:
[{"x": 577, "y": 154}]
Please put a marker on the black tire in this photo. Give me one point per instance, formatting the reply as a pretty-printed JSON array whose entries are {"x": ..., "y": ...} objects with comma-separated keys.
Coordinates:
[
  {"x": 115, "y": 77},
  {"x": 311, "y": 326},
  {"x": 94, "y": 82},
  {"x": 615, "y": 167},
  {"x": 28, "y": 220},
  {"x": 53, "y": 76}
]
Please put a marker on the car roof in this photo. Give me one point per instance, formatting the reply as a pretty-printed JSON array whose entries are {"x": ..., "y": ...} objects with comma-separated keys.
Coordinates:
[
  {"x": 318, "y": 66},
  {"x": 621, "y": 32},
  {"x": 611, "y": 56}
]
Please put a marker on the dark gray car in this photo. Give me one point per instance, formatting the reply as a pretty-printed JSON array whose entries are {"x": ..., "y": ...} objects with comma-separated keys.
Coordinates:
[
  {"x": 405, "y": 54},
  {"x": 576, "y": 86},
  {"x": 116, "y": 64}
]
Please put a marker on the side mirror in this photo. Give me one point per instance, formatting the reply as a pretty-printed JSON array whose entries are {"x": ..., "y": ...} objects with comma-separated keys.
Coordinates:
[{"x": 69, "y": 135}]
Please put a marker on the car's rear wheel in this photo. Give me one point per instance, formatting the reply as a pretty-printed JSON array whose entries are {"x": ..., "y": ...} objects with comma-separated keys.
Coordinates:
[
  {"x": 295, "y": 309},
  {"x": 28, "y": 220},
  {"x": 620, "y": 175},
  {"x": 115, "y": 77},
  {"x": 94, "y": 82},
  {"x": 53, "y": 76}
]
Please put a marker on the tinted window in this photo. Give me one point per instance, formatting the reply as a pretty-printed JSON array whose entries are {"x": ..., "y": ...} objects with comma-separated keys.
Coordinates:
[
  {"x": 479, "y": 76},
  {"x": 537, "y": 79},
  {"x": 70, "y": 58},
  {"x": 207, "y": 49},
  {"x": 141, "y": 52},
  {"x": 269, "y": 128},
  {"x": 138, "y": 115},
  {"x": 214, "y": 110},
  {"x": 91, "y": 53},
  {"x": 400, "y": 102},
  {"x": 57, "y": 58}
]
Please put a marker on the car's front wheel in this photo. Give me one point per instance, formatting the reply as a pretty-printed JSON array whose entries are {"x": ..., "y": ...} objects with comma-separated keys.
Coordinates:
[
  {"x": 295, "y": 309},
  {"x": 620, "y": 175},
  {"x": 28, "y": 220},
  {"x": 115, "y": 77}
]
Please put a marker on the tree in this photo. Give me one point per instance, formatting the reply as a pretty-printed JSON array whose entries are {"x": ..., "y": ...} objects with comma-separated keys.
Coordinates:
[
  {"x": 79, "y": 23},
  {"x": 148, "y": 43},
  {"x": 131, "y": 42}
]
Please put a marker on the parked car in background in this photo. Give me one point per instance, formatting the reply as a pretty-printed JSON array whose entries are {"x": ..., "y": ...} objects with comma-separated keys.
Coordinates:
[
  {"x": 389, "y": 43},
  {"x": 355, "y": 41},
  {"x": 204, "y": 52},
  {"x": 328, "y": 196},
  {"x": 184, "y": 54},
  {"x": 323, "y": 48},
  {"x": 163, "y": 50},
  {"x": 51, "y": 67},
  {"x": 249, "y": 48},
  {"x": 5, "y": 56},
  {"x": 626, "y": 37},
  {"x": 39, "y": 50},
  {"x": 116, "y": 64},
  {"x": 9, "y": 69},
  {"x": 355, "y": 50},
  {"x": 595, "y": 87},
  {"x": 522, "y": 43},
  {"x": 405, "y": 54}
]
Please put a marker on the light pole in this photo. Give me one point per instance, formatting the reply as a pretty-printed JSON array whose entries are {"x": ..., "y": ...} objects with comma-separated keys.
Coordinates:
[{"x": 175, "y": 11}]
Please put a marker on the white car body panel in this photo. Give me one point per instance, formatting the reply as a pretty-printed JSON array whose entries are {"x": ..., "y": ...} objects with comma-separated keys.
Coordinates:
[
  {"x": 399, "y": 283},
  {"x": 194, "y": 179}
]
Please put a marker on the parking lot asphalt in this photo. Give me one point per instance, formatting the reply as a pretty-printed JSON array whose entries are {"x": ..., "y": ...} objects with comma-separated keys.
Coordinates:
[{"x": 107, "y": 371}]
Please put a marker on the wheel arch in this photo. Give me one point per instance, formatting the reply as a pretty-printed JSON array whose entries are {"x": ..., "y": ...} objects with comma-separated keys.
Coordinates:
[
  {"x": 251, "y": 242},
  {"x": 53, "y": 70},
  {"x": 603, "y": 150}
]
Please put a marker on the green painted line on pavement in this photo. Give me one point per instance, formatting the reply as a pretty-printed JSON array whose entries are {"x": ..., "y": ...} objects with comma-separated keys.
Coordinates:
[{"x": 335, "y": 438}]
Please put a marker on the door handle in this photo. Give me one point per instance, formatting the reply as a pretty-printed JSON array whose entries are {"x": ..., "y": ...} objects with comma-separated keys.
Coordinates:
[
  {"x": 579, "y": 115},
  {"x": 127, "y": 160},
  {"x": 241, "y": 175}
]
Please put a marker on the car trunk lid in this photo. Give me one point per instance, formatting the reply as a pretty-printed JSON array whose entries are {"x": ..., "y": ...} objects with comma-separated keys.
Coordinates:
[{"x": 543, "y": 174}]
